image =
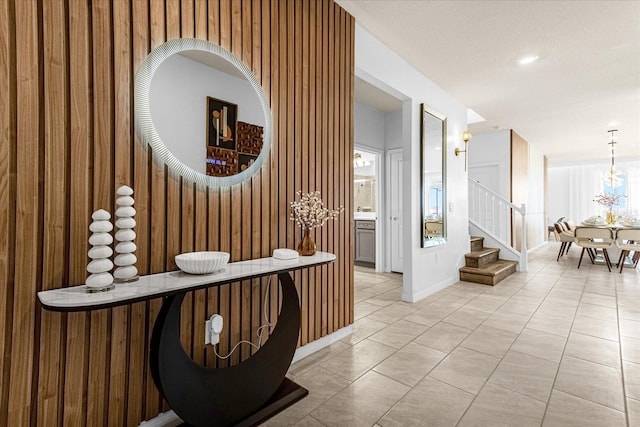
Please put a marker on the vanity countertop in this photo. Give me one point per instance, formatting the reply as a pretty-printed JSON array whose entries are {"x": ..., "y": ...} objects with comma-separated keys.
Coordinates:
[
  {"x": 76, "y": 298},
  {"x": 365, "y": 216}
]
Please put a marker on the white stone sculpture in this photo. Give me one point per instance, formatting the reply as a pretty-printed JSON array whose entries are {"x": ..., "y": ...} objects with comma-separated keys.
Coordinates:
[
  {"x": 100, "y": 278},
  {"x": 125, "y": 259}
]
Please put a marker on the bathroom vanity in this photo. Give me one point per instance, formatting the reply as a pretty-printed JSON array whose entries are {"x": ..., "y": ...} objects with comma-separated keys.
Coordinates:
[
  {"x": 244, "y": 394},
  {"x": 365, "y": 244}
]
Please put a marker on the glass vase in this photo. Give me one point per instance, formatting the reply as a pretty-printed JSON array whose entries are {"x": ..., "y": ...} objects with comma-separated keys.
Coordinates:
[
  {"x": 306, "y": 247},
  {"x": 611, "y": 217}
]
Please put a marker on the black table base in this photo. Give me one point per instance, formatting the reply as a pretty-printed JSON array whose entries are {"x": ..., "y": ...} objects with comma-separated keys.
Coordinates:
[{"x": 245, "y": 394}]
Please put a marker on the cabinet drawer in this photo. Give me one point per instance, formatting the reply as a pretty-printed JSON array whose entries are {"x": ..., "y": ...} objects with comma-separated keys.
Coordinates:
[{"x": 366, "y": 225}]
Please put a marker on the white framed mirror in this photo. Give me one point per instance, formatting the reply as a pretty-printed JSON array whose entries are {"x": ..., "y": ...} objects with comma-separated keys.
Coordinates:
[
  {"x": 433, "y": 133},
  {"x": 203, "y": 112}
]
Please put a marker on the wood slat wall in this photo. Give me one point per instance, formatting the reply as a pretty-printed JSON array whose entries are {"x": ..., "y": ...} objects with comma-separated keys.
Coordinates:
[
  {"x": 519, "y": 181},
  {"x": 68, "y": 141}
]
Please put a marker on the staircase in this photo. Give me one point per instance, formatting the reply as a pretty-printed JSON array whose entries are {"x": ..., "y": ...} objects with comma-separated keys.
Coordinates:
[{"x": 482, "y": 265}]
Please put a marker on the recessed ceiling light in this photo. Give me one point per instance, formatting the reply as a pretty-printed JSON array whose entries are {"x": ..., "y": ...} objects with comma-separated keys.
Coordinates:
[{"x": 528, "y": 59}]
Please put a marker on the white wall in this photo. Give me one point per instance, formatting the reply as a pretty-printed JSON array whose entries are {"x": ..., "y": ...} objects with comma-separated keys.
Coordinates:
[
  {"x": 426, "y": 270},
  {"x": 490, "y": 153},
  {"x": 368, "y": 127},
  {"x": 393, "y": 130},
  {"x": 178, "y": 102}
]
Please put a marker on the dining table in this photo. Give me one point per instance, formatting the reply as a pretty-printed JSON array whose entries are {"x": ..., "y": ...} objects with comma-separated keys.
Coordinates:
[{"x": 614, "y": 251}]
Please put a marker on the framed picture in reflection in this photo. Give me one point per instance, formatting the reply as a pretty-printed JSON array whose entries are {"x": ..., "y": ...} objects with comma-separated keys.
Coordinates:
[{"x": 222, "y": 123}]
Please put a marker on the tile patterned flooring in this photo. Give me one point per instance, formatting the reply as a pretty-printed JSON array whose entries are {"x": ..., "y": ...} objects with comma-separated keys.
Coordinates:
[{"x": 555, "y": 346}]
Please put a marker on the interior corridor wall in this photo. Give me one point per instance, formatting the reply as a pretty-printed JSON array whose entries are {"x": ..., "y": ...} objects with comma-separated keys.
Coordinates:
[
  {"x": 426, "y": 270},
  {"x": 368, "y": 127}
]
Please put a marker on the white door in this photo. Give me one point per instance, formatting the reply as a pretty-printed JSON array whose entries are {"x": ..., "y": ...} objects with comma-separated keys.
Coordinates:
[{"x": 395, "y": 209}]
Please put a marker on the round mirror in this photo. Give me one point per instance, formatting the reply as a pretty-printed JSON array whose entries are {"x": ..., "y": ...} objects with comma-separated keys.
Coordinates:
[{"x": 203, "y": 112}]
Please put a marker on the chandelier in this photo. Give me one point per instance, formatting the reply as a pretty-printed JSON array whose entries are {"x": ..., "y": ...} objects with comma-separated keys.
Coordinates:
[{"x": 612, "y": 177}]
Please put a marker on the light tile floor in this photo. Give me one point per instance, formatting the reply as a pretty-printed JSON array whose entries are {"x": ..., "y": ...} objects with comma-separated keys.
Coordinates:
[{"x": 555, "y": 346}]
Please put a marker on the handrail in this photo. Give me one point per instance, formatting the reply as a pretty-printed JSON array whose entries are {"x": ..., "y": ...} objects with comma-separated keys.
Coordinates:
[
  {"x": 494, "y": 215},
  {"x": 516, "y": 207}
]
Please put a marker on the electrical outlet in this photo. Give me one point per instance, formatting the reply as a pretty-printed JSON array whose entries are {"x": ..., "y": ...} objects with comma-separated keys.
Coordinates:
[{"x": 212, "y": 330}]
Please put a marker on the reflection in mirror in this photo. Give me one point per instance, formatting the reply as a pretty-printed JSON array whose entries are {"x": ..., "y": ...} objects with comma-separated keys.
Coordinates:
[
  {"x": 433, "y": 132},
  {"x": 364, "y": 184},
  {"x": 203, "y": 112}
]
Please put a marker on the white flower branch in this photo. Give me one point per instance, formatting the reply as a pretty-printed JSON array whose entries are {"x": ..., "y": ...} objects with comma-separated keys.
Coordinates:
[{"x": 309, "y": 212}]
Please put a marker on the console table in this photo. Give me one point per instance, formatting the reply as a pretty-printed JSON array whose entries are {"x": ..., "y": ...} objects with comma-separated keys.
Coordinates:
[{"x": 245, "y": 394}]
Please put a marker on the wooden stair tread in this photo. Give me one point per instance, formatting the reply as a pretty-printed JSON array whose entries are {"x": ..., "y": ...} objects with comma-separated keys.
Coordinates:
[
  {"x": 483, "y": 265},
  {"x": 482, "y": 253},
  {"x": 492, "y": 269},
  {"x": 490, "y": 274}
]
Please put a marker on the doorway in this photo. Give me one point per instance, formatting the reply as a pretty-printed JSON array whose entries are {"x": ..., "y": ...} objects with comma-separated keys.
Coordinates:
[{"x": 367, "y": 208}]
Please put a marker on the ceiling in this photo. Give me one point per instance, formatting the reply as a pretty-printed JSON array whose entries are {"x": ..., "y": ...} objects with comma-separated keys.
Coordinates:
[
  {"x": 367, "y": 94},
  {"x": 585, "y": 81}
]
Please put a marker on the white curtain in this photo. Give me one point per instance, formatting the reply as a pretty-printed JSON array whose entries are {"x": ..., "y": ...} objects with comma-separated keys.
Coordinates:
[{"x": 572, "y": 189}]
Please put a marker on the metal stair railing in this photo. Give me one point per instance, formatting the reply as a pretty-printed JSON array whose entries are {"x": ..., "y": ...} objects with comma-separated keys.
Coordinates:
[{"x": 494, "y": 215}]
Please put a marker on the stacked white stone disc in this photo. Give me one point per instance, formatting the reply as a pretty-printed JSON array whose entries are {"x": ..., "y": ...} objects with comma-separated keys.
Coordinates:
[
  {"x": 125, "y": 259},
  {"x": 100, "y": 278}
]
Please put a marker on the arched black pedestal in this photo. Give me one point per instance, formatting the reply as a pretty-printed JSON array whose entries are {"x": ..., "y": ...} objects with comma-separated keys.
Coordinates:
[{"x": 244, "y": 394}]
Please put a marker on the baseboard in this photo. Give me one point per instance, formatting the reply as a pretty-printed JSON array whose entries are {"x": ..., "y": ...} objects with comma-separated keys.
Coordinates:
[
  {"x": 319, "y": 344},
  {"x": 170, "y": 419},
  {"x": 538, "y": 247},
  {"x": 430, "y": 290}
]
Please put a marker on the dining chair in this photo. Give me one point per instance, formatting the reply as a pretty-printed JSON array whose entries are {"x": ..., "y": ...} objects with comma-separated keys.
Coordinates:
[
  {"x": 566, "y": 238},
  {"x": 627, "y": 240},
  {"x": 593, "y": 238}
]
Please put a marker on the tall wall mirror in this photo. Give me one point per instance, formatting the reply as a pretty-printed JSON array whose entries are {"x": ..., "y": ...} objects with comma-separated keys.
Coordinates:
[
  {"x": 433, "y": 133},
  {"x": 203, "y": 112}
]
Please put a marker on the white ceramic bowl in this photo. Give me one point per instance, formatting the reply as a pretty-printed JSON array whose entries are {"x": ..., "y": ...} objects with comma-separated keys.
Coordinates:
[{"x": 201, "y": 262}]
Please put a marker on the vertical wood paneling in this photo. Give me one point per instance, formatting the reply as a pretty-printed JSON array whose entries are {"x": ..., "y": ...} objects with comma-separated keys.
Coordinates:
[
  {"x": 257, "y": 286},
  {"x": 158, "y": 231},
  {"x": 274, "y": 154},
  {"x": 200, "y": 219},
  {"x": 137, "y": 341},
  {"x": 68, "y": 141},
  {"x": 124, "y": 335},
  {"x": 76, "y": 355},
  {"x": 310, "y": 21},
  {"x": 103, "y": 162},
  {"x": 519, "y": 181},
  {"x": 317, "y": 155},
  {"x": 302, "y": 136},
  {"x": 28, "y": 235},
  {"x": 55, "y": 198},
  {"x": 7, "y": 195}
]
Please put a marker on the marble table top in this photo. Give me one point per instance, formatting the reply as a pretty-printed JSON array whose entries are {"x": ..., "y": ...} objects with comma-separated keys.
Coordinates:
[{"x": 76, "y": 298}]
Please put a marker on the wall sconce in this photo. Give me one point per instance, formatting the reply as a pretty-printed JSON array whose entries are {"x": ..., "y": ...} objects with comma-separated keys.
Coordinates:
[{"x": 466, "y": 136}]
